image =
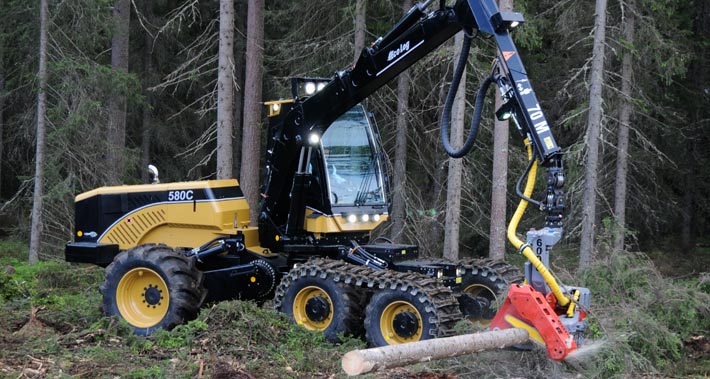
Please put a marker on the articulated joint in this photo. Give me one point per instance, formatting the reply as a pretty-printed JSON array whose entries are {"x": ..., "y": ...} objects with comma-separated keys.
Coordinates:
[{"x": 554, "y": 204}]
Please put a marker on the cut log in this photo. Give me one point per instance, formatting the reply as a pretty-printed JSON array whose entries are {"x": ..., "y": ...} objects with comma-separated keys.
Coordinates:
[{"x": 358, "y": 362}]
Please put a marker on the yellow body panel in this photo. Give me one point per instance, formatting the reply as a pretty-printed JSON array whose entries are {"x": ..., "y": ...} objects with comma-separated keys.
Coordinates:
[
  {"x": 157, "y": 187},
  {"x": 189, "y": 224},
  {"x": 320, "y": 223},
  {"x": 179, "y": 224}
]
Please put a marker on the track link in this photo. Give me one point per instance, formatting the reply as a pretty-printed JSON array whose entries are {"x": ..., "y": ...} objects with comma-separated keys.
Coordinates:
[
  {"x": 359, "y": 278},
  {"x": 508, "y": 272}
]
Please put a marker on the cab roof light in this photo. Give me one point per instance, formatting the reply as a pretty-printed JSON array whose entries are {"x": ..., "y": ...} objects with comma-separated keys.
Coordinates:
[{"x": 307, "y": 86}]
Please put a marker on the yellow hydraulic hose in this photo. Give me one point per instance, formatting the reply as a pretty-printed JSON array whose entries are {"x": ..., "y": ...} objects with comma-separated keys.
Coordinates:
[
  {"x": 570, "y": 310},
  {"x": 527, "y": 251}
]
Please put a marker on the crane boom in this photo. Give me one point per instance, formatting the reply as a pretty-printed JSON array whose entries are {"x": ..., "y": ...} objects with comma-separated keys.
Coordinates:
[{"x": 412, "y": 38}]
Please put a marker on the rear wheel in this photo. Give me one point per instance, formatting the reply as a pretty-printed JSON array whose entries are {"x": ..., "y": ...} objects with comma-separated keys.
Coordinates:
[
  {"x": 482, "y": 288},
  {"x": 396, "y": 315},
  {"x": 317, "y": 303},
  {"x": 152, "y": 287}
]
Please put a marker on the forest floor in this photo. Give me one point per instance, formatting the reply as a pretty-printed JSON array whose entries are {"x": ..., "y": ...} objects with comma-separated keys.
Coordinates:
[{"x": 652, "y": 325}]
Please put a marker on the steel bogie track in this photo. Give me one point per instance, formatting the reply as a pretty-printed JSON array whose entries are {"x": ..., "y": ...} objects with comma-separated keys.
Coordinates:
[
  {"x": 367, "y": 280},
  {"x": 508, "y": 272}
]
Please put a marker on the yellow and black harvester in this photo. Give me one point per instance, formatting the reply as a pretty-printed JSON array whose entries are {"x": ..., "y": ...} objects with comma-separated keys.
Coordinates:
[{"x": 170, "y": 248}]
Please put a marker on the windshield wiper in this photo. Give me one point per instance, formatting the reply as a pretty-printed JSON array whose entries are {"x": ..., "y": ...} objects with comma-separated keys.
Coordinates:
[{"x": 363, "y": 193}]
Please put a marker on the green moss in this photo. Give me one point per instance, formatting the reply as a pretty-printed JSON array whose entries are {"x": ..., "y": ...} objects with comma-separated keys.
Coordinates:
[
  {"x": 153, "y": 372},
  {"x": 181, "y": 336},
  {"x": 12, "y": 252}
]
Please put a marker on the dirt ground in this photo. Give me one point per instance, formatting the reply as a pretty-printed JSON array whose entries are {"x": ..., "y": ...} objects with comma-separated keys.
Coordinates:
[{"x": 51, "y": 327}]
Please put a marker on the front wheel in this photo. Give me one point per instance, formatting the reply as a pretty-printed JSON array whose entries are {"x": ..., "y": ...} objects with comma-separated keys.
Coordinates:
[{"x": 152, "y": 287}]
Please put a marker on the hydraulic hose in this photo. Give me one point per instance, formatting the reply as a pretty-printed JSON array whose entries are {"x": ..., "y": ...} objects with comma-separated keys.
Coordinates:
[
  {"x": 525, "y": 249},
  {"x": 477, "y": 112}
]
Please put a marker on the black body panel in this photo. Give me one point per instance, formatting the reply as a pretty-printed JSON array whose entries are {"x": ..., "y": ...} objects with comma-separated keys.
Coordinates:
[
  {"x": 393, "y": 252},
  {"x": 89, "y": 252}
]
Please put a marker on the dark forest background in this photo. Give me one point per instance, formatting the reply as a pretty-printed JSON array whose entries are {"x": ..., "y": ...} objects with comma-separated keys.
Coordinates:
[{"x": 170, "y": 95}]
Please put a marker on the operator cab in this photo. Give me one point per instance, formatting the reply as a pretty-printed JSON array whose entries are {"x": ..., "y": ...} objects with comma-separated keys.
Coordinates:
[
  {"x": 351, "y": 156},
  {"x": 344, "y": 186}
]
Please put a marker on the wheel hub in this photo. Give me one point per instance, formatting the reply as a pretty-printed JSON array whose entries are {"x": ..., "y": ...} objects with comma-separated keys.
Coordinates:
[
  {"x": 317, "y": 308},
  {"x": 152, "y": 295},
  {"x": 405, "y": 324}
]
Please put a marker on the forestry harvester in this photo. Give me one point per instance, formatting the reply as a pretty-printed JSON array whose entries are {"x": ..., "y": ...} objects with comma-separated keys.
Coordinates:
[{"x": 170, "y": 248}]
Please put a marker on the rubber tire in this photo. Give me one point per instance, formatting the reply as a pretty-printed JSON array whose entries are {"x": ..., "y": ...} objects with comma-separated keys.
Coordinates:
[
  {"x": 488, "y": 278},
  {"x": 183, "y": 279},
  {"x": 347, "y": 312},
  {"x": 379, "y": 302}
]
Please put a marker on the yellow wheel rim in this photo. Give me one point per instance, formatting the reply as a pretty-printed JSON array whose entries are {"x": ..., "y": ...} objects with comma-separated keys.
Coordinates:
[
  {"x": 480, "y": 290},
  {"x": 305, "y": 300},
  {"x": 387, "y": 322},
  {"x": 142, "y": 297}
]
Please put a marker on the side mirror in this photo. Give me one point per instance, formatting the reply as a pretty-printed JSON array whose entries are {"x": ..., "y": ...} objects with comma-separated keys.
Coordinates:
[{"x": 153, "y": 172}]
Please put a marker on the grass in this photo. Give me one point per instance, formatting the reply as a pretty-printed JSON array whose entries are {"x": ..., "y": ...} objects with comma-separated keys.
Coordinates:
[
  {"x": 51, "y": 326},
  {"x": 50, "y": 312}
]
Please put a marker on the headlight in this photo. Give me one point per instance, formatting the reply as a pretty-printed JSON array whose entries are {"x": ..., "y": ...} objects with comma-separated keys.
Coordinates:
[
  {"x": 365, "y": 218},
  {"x": 352, "y": 218},
  {"x": 321, "y": 85},
  {"x": 310, "y": 88},
  {"x": 440, "y": 273},
  {"x": 314, "y": 138},
  {"x": 376, "y": 218}
]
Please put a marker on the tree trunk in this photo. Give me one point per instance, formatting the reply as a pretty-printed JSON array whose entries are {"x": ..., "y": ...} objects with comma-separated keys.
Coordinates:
[
  {"x": 251, "y": 137},
  {"x": 2, "y": 99},
  {"x": 687, "y": 242},
  {"x": 453, "y": 181},
  {"x": 435, "y": 237},
  {"x": 116, "y": 135},
  {"x": 147, "y": 81},
  {"x": 696, "y": 138},
  {"x": 399, "y": 187},
  {"x": 622, "y": 145},
  {"x": 240, "y": 14},
  {"x": 360, "y": 22},
  {"x": 358, "y": 362},
  {"x": 36, "y": 224},
  {"x": 586, "y": 249},
  {"x": 225, "y": 90},
  {"x": 499, "y": 176}
]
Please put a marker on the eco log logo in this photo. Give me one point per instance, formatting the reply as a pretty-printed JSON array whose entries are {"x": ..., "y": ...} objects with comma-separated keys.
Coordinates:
[{"x": 398, "y": 51}]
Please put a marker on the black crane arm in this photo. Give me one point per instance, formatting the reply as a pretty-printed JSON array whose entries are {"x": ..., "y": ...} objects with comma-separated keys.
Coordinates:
[{"x": 412, "y": 38}]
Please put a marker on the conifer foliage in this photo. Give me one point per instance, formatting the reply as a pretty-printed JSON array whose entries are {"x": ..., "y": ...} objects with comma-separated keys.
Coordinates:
[{"x": 134, "y": 82}]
